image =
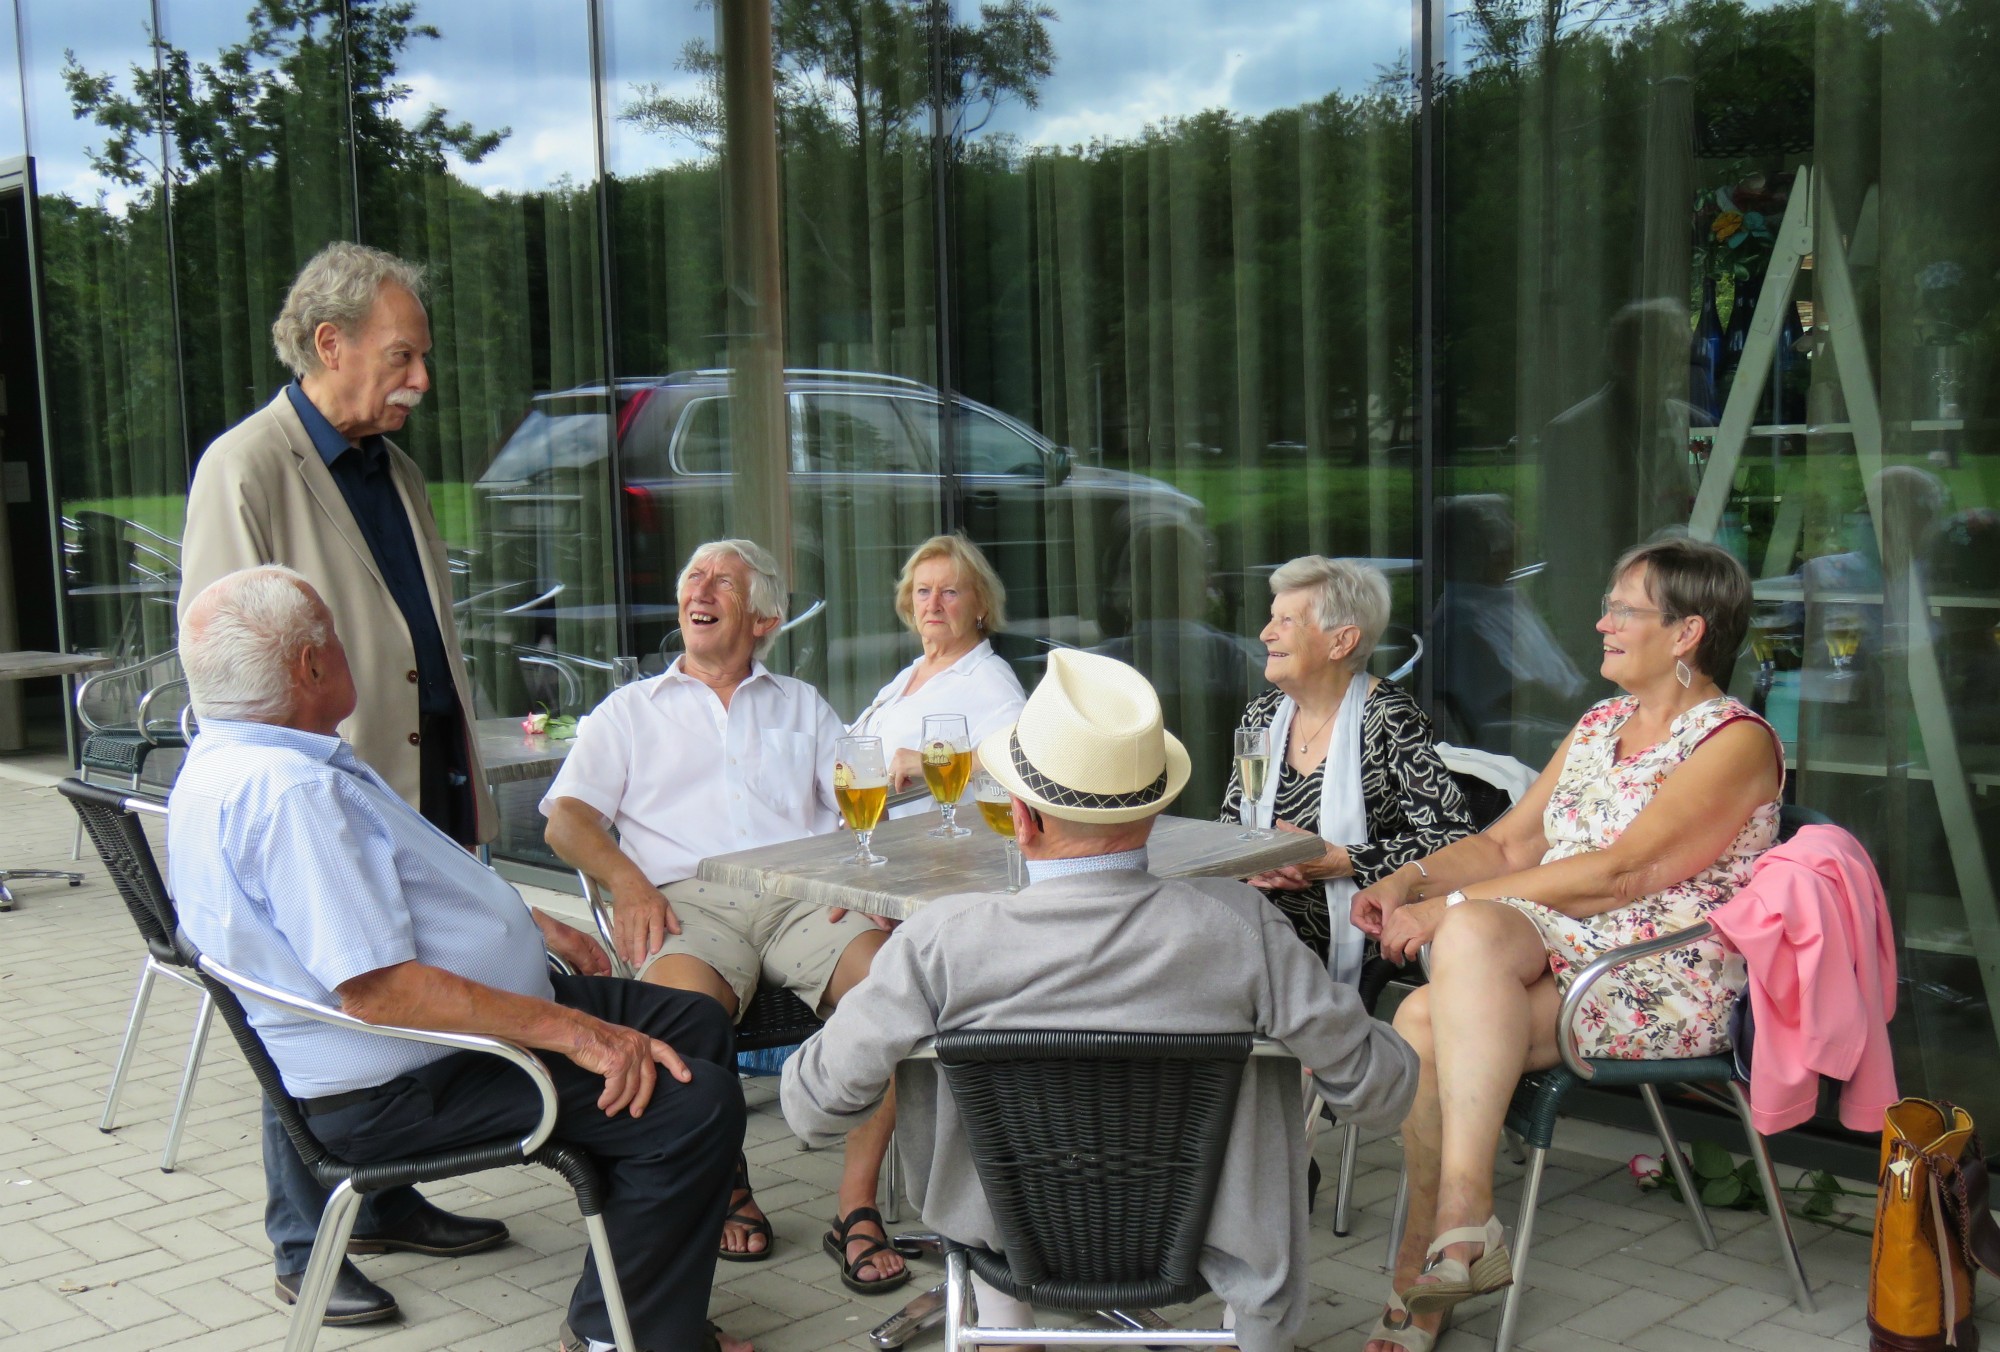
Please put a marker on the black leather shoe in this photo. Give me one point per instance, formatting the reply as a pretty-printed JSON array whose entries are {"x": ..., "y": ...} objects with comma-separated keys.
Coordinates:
[
  {"x": 433, "y": 1231},
  {"x": 355, "y": 1299}
]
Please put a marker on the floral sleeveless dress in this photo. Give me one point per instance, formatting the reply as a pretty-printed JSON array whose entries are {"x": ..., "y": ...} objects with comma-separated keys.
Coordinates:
[{"x": 1675, "y": 1003}]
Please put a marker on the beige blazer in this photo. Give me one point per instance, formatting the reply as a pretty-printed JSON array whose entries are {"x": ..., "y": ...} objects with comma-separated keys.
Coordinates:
[{"x": 262, "y": 494}]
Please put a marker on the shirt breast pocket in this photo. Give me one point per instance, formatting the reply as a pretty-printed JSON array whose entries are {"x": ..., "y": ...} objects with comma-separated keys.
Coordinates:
[{"x": 783, "y": 778}]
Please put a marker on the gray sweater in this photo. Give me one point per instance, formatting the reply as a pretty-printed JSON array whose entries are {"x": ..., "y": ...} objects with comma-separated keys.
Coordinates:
[{"x": 1115, "y": 952}]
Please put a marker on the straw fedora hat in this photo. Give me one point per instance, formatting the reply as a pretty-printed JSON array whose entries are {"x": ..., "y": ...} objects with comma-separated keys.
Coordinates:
[{"x": 1090, "y": 745}]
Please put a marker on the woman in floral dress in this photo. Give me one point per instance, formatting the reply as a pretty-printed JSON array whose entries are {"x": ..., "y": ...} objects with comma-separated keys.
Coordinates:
[{"x": 1649, "y": 815}]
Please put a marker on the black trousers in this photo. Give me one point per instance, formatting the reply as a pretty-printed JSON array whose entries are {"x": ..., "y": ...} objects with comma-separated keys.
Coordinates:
[{"x": 667, "y": 1174}]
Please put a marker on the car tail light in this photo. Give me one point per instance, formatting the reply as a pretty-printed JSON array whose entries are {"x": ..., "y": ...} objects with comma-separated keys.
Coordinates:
[
  {"x": 631, "y": 410},
  {"x": 641, "y": 523}
]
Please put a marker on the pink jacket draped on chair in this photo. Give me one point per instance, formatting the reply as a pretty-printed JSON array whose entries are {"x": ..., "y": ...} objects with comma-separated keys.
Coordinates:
[{"x": 1815, "y": 931}]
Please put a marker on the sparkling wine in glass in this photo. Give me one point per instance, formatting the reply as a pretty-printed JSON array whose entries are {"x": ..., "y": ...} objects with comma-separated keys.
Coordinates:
[
  {"x": 861, "y": 789},
  {"x": 947, "y": 753},
  {"x": 1253, "y": 771},
  {"x": 996, "y": 807}
]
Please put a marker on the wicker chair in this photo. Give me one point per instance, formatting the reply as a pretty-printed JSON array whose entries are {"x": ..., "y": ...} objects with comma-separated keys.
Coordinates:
[
  {"x": 350, "y": 1182},
  {"x": 1099, "y": 1154},
  {"x": 110, "y": 817}
]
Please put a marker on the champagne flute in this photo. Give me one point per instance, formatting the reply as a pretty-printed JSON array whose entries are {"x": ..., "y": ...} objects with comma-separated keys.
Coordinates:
[
  {"x": 946, "y": 749},
  {"x": 996, "y": 806},
  {"x": 861, "y": 788},
  {"x": 1253, "y": 771}
]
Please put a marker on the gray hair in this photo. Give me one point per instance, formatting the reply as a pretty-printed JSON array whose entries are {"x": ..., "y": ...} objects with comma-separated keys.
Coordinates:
[
  {"x": 767, "y": 584},
  {"x": 243, "y": 633},
  {"x": 338, "y": 286},
  {"x": 1343, "y": 592}
]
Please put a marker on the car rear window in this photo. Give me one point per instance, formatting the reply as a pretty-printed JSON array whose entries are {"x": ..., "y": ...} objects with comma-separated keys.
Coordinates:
[{"x": 702, "y": 445}]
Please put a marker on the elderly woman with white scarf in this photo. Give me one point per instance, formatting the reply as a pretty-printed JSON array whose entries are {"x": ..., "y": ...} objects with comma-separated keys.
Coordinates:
[{"x": 1353, "y": 760}]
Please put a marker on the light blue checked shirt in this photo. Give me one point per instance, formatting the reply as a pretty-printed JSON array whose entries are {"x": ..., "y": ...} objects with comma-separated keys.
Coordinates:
[{"x": 292, "y": 862}]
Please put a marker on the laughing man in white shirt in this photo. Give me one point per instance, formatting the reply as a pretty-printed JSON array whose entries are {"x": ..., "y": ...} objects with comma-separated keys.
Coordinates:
[{"x": 719, "y": 754}]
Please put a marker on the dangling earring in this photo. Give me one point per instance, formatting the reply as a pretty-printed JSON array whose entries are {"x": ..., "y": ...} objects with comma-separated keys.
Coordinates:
[{"x": 1683, "y": 673}]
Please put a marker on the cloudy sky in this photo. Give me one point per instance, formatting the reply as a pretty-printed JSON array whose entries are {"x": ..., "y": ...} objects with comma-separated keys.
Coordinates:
[{"x": 524, "y": 65}]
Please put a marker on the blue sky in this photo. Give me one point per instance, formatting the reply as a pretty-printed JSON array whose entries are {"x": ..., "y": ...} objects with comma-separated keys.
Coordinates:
[{"x": 524, "y": 64}]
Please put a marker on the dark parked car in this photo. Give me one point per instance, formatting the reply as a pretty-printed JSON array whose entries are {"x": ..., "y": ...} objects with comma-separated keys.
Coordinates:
[{"x": 866, "y": 459}]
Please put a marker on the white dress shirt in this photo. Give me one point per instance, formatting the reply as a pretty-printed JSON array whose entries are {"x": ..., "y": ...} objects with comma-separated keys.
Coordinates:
[
  {"x": 683, "y": 778},
  {"x": 979, "y": 685}
]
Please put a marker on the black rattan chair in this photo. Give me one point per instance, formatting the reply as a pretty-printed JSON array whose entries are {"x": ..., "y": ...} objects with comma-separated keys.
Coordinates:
[
  {"x": 1099, "y": 1154},
  {"x": 349, "y": 1182},
  {"x": 128, "y": 713},
  {"x": 109, "y": 816}
]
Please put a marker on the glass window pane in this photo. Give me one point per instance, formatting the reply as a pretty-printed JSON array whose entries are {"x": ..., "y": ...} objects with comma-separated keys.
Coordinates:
[
  {"x": 476, "y": 158},
  {"x": 113, "y": 382},
  {"x": 1182, "y": 255}
]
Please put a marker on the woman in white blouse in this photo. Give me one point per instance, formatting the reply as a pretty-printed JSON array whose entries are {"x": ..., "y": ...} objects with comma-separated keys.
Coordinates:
[{"x": 952, "y": 599}]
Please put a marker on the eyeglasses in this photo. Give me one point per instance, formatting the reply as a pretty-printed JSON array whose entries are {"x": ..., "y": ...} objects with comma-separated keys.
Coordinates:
[{"x": 1621, "y": 614}]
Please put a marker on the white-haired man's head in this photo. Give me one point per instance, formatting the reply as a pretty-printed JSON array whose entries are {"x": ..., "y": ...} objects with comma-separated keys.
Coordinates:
[
  {"x": 259, "y": 646},
  {"x": 732, "y": 600},
  {"x": 354, "y": 331}
]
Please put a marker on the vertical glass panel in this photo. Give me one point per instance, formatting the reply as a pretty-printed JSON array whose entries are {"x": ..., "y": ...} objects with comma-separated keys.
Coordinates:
[
  {"x": 1730, "y": 270},
  {"x": 774, "y": 306},
  {"x": 13, "y": 130},
  {"x": 1182, "y": 265},
  {"x": 475, "y": 156},
  {"x": 262, "y": 179},
  {"x": 114, "y": 415}
]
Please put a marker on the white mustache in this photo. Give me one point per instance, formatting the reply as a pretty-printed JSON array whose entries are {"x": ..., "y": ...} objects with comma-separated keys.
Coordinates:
[{"x": 407, "y": 398}]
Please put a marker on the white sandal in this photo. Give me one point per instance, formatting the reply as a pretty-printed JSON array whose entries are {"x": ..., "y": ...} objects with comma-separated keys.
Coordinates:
[
  {"x": 1396, "y": 1326},
  {"x": 1492, "y": 1271}
]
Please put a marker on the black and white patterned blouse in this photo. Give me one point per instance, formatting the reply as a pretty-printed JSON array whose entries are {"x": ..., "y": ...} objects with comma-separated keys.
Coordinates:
[{"x": 1414, "y": 805}]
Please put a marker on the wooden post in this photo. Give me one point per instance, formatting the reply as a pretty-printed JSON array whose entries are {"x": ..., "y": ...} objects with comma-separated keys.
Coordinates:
[{"x": 760, "y": 496}]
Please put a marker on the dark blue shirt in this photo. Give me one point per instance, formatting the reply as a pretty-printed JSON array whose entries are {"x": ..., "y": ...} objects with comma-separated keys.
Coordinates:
[{"x": 362, "y": 472}]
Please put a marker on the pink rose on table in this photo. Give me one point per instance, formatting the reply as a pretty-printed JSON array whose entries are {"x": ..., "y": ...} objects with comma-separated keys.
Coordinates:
[{"x": 536, "y": 723}]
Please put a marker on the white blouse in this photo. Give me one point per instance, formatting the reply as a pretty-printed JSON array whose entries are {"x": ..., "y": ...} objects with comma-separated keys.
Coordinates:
[{"x": 979, "y": 685}]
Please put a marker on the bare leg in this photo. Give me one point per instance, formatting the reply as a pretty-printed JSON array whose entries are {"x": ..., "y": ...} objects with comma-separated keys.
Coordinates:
[
  {"x": 861, "y": 1167},
  {"x": 1420, "y": 1157},
  {"x": 1492, "y": 1011},
  {"x": 684, "y": 972}
]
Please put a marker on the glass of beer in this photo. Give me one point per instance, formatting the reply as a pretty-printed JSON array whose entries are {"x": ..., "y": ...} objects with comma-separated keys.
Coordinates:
[
  {"x": 1843, "y": 639},
  {"x": 861, "y": 788},
  {"x": 996, "y": 806},
  {"x": 946, "y": 749},
  {"x": 1253, "y": 771}
]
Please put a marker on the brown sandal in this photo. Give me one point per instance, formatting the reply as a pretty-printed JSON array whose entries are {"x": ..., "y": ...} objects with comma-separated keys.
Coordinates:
[{"x": 837, "y": 1239}]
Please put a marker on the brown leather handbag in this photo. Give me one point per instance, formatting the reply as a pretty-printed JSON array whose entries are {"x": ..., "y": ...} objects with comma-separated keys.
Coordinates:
[{"x": 1932, "y": 1226}]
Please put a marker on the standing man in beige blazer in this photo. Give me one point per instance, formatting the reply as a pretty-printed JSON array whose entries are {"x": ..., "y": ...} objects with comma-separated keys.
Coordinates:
[{"x": 313, "y": 482}]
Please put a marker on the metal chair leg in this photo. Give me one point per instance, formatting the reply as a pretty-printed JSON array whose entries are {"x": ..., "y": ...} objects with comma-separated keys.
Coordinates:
[
  {"x": 1398, "y": 1219},
  {"x": 336, "y": 1223},
  {"x": 196, "y": 1045},
  {"x": 1350, "y": 1148},
  {"x": 1524, "y": 1235},
  {"x": 889, "y": 1192},
  {"x": 954, "y": 1300},
  {"x": 1788, "y": 1247},
  {"x": 148, "y": 973},
  {"x": 1672, "y": 1146},
  {"x": 607, "y": 1280}
]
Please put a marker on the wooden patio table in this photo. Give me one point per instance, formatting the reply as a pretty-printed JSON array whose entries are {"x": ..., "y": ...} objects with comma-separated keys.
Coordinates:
[{"x": 922, "y": 868}]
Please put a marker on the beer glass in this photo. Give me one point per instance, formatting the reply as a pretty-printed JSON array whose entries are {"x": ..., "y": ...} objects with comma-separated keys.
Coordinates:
[
  {"x": 946, "y": 749},
  {"x": 996, "y": 807},
  {"x": 861, "y": 789},
  {"x": 1253, "y": 771}
]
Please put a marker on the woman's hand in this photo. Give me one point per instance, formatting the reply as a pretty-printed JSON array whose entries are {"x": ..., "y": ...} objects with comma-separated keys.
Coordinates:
[
  {"x": 1408, "y": 928},
  {"x": 1297, "y": 877},
  {"x": 1374, "y": 905},
  {"x": 1286, "y": 879},
  {"x": 906, "y": 767}
]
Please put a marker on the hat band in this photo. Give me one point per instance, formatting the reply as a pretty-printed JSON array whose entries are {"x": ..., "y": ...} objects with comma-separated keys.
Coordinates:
[{"x": 1061, "y": 795}]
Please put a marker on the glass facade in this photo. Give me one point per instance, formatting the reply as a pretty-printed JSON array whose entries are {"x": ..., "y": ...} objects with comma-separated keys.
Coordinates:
[{"x": 1482, "y": 293}]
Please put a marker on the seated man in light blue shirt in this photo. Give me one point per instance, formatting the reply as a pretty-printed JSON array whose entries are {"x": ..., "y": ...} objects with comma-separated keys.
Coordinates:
[{"x": 291, "y": 861}]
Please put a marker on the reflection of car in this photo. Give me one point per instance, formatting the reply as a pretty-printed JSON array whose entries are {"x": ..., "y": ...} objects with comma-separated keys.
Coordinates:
[{"x": 866, "y": 457}]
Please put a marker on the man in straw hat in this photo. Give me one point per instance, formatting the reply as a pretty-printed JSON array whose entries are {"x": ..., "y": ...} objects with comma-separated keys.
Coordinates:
[{"x": 1095, "y": 941}]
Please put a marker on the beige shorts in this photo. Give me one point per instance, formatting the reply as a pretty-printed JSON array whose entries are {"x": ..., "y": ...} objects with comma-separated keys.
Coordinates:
[{"x": 744, "y": 937}]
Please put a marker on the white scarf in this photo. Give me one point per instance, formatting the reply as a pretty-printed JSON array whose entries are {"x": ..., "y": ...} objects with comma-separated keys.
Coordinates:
[{"x": 1343, "y": 816}]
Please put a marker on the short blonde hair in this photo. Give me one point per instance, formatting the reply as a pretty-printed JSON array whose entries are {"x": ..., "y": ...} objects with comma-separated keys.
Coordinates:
[
  {"x": 973, "y": 570},
  {"x": 1343, "y": 592}
]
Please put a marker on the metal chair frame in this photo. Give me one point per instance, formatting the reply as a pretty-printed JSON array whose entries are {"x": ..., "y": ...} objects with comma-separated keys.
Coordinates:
[
  {"x": 112, "y": 820},
  {"x": 142, "y": 736},
  {"x": 1175, "y": 1278}
]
